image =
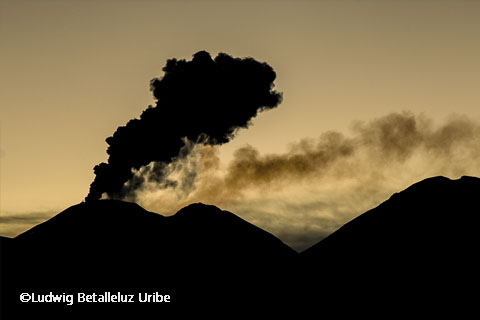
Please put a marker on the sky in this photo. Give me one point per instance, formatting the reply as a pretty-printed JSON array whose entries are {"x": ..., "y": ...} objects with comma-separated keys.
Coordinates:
[{"x": 380, "y": 94}]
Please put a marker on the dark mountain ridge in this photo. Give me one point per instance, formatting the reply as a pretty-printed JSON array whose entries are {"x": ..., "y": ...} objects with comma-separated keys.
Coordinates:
[
  {"x": 433, "y": 211},
  {"x": 201, "y": 255},
  {"x": 417, "y": 249}
]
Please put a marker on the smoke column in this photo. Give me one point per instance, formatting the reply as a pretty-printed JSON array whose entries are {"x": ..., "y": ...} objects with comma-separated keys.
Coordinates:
[{"x": 203, "y": 101}]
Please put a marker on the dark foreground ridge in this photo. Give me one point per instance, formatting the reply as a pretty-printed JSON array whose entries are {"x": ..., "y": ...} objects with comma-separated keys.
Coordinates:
[
  {"x": 201, "y": 256},
  {"x": 415, "y": 251}
]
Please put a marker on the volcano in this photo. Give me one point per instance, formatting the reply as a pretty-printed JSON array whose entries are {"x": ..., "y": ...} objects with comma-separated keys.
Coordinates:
[{"x": 199, "y": 256}]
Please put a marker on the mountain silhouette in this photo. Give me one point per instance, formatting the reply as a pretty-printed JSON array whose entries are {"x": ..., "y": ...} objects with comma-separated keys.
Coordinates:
[
  {"x": 416, "y": 252},
  {"x": 201, "y": 256}
]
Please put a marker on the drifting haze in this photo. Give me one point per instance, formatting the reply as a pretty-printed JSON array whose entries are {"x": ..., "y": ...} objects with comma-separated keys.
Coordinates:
[
  {"x": 319, "y": 184},
  {"x": 12, "y": 224}
]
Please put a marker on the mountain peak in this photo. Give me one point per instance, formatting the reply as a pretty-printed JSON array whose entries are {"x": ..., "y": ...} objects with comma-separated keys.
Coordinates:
[
  {"x": 194, "y": 208},
  {"x": 419, "y": 245},
  {"x": 435, "y": 207}
]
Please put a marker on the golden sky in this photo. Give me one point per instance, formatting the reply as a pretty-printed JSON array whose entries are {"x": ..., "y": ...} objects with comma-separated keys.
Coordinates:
[{"x": 73, "y": 71}]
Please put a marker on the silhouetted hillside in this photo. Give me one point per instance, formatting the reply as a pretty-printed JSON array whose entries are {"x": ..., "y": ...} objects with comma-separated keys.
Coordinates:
[
  {"x": 201, "y": 256},
  {"x": 417, "y": 249}
]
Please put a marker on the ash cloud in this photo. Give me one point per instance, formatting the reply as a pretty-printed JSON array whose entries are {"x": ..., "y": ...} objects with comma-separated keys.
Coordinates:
[
  {"x": 393, "y": 139},
  {"x": 320, "y": 184},
  {"x": 202, "y": 101}
]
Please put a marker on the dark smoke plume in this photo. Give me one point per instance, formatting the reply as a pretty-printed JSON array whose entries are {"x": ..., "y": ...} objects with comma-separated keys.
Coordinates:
[{"x": 204, "y": 100}]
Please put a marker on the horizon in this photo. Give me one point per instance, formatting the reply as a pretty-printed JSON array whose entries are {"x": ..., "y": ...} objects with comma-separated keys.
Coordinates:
[{"x": 298, "y": 249}]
